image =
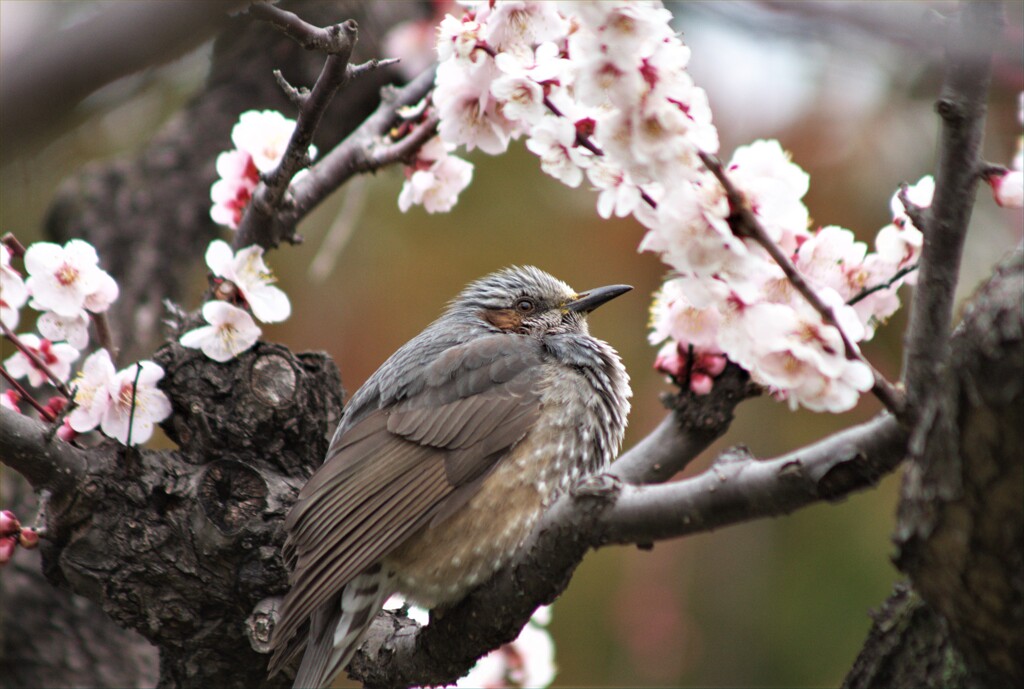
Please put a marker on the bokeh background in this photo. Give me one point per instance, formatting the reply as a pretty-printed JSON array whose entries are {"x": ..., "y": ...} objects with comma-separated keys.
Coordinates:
[{"x": 849, "y": 89}]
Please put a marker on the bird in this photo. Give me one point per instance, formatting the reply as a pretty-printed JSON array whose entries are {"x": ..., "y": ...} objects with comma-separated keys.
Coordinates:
[{"x": 445, "y": 459}]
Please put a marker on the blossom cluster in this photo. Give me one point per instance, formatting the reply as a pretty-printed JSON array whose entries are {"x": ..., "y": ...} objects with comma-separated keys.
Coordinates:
[
  {"x": 528, "y": 661},
  {"x": 245, "y": 289},
  {"x": 600, "y": 89},
  {"x": 260, "y": 139},
  {"x": 67, "y": 286}
]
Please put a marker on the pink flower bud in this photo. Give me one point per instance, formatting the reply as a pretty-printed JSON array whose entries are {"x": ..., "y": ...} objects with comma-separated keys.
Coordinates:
[
  {"x": 7, "y": 544},
  {"x": 9, "y": 524},
  {"x": 66, "y": 432},
  {"x": 28, "y": 538}
]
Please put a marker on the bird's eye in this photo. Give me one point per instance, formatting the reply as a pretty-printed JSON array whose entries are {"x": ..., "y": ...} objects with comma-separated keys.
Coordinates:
[{"x": 525, "y": 305}]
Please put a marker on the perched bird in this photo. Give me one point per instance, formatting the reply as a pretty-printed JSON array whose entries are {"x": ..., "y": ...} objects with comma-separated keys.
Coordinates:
[{"x": 445, "y": 459}]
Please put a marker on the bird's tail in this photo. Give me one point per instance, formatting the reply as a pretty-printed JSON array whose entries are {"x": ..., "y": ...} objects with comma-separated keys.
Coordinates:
[{"x": 337, "y": 628}]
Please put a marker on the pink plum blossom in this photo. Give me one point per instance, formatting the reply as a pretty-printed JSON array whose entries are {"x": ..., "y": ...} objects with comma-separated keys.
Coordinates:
[
  {"x": 252, "y": 277},
  {"x": 435, "y": 179},
  {"x": 57, "y": 357},
  {"x": 230, "y": 332}
]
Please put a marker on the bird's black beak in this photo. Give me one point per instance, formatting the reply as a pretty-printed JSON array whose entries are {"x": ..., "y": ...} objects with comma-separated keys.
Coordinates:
[{"x": 591, "y": 299}]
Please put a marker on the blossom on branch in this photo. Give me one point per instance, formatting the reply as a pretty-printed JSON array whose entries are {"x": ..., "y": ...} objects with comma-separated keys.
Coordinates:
[
  {"x": 230, "y": 332},
  {"x": 435, "y": 179},
  {"x": 123, "y": 404},
  {"x": 254, "y": 280},
  {"x": 67, "y": 280},
  {"x": 260, "y": 139},
  {"x": 56, "y": 357}
]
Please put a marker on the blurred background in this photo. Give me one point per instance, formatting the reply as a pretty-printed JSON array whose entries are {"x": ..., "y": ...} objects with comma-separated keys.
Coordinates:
[{"x": 848, "y": 88}]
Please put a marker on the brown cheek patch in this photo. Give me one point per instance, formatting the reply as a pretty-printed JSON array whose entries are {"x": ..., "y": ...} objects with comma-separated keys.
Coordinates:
[{"x": 504, "y": 319}]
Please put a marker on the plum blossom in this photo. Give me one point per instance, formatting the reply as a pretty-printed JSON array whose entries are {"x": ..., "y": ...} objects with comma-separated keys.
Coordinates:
[
  {"x": 92, "y": 398},
  {"x": 618, "y": 195},
  {"x": 458, "y": 39},
  {"x": 10, "y": 399},
  {"x": 774, "y": 187},
  {"x": 68, "y": 279},
  {"x": 1008, "y": 184},
  {"x": 517, "y": 23},
  {"x": 57, "y": 358},
  {"x": 232, "y": 192},
  {"x": 123, "y": 404},
  {"x": 554, "y": 140},
  {"x": 230, "y": 332},
  {"x": 72, "y": 329},
  {"x": 468, "y": 112},
  {"x": 435, "y": 179},
  {"x": 673, "y": 359},
  {"x": 135, "y": 384},
  {"x": 261, "y": 139},
  {"x": 252, "y": 277},
  {"x": 521, "y": 86},
  {"x": 13, "y": 293}
]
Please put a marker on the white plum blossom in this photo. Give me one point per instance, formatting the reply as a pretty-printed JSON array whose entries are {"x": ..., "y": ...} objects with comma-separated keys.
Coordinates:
[
  {"x": 56, "y": 357},
  {"x": 72, "y": 329},
  {"x": 1008, "y": 188},
  {"x": 554, "y": 140},
  {"x": 468, "y": 112},
  {"x": 774, "y": 187},
  {"x": 435, "y": 179},
  {"x": 264, "y": 136},
  {"x": 458, "y": 39},
  {"x": 92, "y": 398},
  {"x": 518, "y": 23},
  {"x": 67, "y": 279},
  {"x": 619, "y": 196},
  {"x": 123, "y": 404},
  {"x": 13, "y": 292},
  {"x": 252, "y": 277},
  {"x": 130, "y": 423},
  {"x": 603, "y": 88},
  {"x": 230, "y": 332}
]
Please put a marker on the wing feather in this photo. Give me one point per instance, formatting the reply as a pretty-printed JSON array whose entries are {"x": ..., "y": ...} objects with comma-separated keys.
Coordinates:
[{"x": 409, "y": 463}]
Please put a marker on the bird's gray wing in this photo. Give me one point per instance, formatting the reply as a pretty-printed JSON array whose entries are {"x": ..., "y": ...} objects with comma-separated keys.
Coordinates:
[{"x": 403, "y": 464}]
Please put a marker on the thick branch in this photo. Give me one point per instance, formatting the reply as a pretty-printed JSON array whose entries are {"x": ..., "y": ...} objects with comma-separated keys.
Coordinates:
[
  {"x": 739, "y": 488},
  {"x": 602, "y": 511},
  {"x": 46, "y": 462},
  {"x": 962, "y": 109}
]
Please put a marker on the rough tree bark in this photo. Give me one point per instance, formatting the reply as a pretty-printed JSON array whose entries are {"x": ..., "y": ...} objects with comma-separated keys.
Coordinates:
[{"x": 182, "y": 546}]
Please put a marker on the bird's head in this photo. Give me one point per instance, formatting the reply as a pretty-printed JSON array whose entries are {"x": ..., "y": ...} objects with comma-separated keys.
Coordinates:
[{"x": 526, "y": 300}]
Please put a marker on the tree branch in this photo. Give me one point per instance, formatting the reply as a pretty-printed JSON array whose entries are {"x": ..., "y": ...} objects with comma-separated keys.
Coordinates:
[
  {"x": 359, "y": 152},
  {"x": 739, "y": 488},
  {"x": 28, "y": 448},
  {"x": 962, "y": 109}
]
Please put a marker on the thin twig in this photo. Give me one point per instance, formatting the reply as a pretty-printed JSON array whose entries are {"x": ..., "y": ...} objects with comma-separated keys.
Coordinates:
[
  {"x": 25, "y": 395},
  {"x": 745, "y": 224},
  {"x": 16, "y": 248},
  {"x": 104, "y": 335},
  {"x": 257, "y": 225},
  {"x": 57, "y": 383},
  {"x": 868, "y": 291}
]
